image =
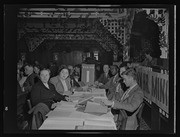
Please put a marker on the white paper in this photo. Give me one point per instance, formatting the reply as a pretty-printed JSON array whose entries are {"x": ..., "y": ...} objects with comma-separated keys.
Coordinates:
[
  {"x": 84, "y": 100},
  {"x": 95, "y": 108},
  {"x": 59, "y": 114},
  {"x": 93, "y": 127},
  {"x": 61, "y": 123},
  {"x": 98, "y": 123}
]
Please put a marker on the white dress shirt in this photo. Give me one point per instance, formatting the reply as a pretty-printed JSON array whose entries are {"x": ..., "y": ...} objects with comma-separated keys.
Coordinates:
[{"x": 46, "y": 84}]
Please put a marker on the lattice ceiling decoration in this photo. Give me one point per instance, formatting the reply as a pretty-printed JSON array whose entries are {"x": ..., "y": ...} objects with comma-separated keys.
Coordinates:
[
  {"x": 71, "y": 13},
  {"x": 63, "y": 15}
]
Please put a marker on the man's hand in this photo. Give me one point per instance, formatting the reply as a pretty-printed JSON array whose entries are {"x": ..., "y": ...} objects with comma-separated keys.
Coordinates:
[
  {"x": 68, "y": 93},
  {"x": 100, "y": 84},
  {"x": 96, "y": 82},
  {"x": 107, "y": 102},
  {"x": 53, "y": 105},
  {"x": 68, "y": 99},
  {"x": 85, "y": 88}
]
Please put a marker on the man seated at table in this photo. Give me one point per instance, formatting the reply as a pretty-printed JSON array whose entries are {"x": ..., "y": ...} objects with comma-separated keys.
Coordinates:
[
  {"x": 104, "y": 78},
  {"x": 29, "y": 79},
  {"x": 76, "y": 84},
  {"x": 111, "y": 85},
  {"x": 130, "y": 100}
]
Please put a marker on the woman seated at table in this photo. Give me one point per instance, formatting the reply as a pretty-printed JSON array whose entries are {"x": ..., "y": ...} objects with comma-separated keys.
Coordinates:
[
  {"x": 104, "y": 78},
  {"x": 130, "y": 100},
  {"x": 62, "y": 81},
  {"x": 44, "y": 92}
]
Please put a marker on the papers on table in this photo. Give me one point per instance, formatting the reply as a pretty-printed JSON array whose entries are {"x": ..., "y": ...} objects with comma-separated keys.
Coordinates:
[
  {"x": 61, "y": 123},
  {"x": 97, "y": 90},
  {"x": 84, "y": 100},
  {"x": 107, "y": 102},
  {"x": 93, "y": 127},
  {"x": 66, "y": 116},
  {"x": 99, "y": 123},
  {"x": 59, "y": 114},
  {"x": 95, "y": 108},
  {"x": 99, "y": 99}
]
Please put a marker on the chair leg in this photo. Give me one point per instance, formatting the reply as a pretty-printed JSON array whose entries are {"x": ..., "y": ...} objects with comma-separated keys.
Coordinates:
[{"x": 123, "y": 126}]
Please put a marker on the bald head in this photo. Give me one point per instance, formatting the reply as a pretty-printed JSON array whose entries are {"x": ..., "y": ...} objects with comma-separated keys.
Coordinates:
[{"x": 44, "y": 75}]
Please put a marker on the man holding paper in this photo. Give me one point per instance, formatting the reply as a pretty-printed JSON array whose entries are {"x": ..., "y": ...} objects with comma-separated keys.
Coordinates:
[{"x": 130, "y": 100}]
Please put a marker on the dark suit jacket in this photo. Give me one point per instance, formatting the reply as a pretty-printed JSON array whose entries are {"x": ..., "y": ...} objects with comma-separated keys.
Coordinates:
[
  {"x": 103, "y": 79},
  {"x": 111, "y": 86},
  {"x": 41, "y": 94},
  {"x": 29, "y": 82}
]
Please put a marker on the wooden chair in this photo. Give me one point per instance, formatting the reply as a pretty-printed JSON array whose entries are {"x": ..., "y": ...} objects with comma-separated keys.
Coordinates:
[
  {"x": 139, "y": 115},
  {"x": 29, "y": 104}
]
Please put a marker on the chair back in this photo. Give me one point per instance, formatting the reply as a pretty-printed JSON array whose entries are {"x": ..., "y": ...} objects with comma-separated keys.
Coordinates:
[
  {"x": 29, "y": 104},
  {"x": 139, "y": 115},
  {"x": 132, "y": 122}
]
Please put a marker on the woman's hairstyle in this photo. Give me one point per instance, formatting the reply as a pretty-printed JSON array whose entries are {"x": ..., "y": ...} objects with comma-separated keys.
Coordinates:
[
  {"x": 130, "y": 72},
  {"x": 61, "y": 68}
]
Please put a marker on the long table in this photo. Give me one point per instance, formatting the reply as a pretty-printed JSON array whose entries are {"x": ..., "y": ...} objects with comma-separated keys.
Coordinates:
[{"x": 66, "y": 116}]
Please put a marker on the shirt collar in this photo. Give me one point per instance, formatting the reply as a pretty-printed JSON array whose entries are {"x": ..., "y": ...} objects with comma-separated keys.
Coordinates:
[{"x": 132, "y": 87}]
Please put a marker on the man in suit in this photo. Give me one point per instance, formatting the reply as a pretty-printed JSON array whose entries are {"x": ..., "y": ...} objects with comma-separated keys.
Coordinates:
[
  {"x": 104, "y": 78},
  {"x": 111, "y": 85},
  {"x": 130, "y": 100},
  {"x": 29, "y": 79}
]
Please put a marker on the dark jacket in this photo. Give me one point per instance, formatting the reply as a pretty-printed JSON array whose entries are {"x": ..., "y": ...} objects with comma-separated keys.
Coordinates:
[
  {"x": 111, "y": 86},
  {"x": 41, "y": 94},
  {"x": 29, "y": 82},
  {"x": 103, "y": 79}
]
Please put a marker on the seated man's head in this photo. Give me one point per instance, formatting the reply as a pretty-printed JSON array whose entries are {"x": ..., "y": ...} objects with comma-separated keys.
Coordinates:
[
  {"x": 36, "y": 69},
  {"x": 129, "y": 77},
  {"x": 106, "y": 68},
  {"x": 122, "y": 69},
  {"x": 148, "y": 54},
  {"x": 77, "y": 68},
  {"x": 45, "y": 75},
  {"x": 70, "y": 69},
  {"x": 114, "y": 70},
  {"x": 28, "y": 69}
]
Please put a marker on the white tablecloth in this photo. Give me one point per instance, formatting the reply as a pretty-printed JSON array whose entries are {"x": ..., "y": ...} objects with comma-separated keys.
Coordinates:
[{"x": 66, "y": 117}]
